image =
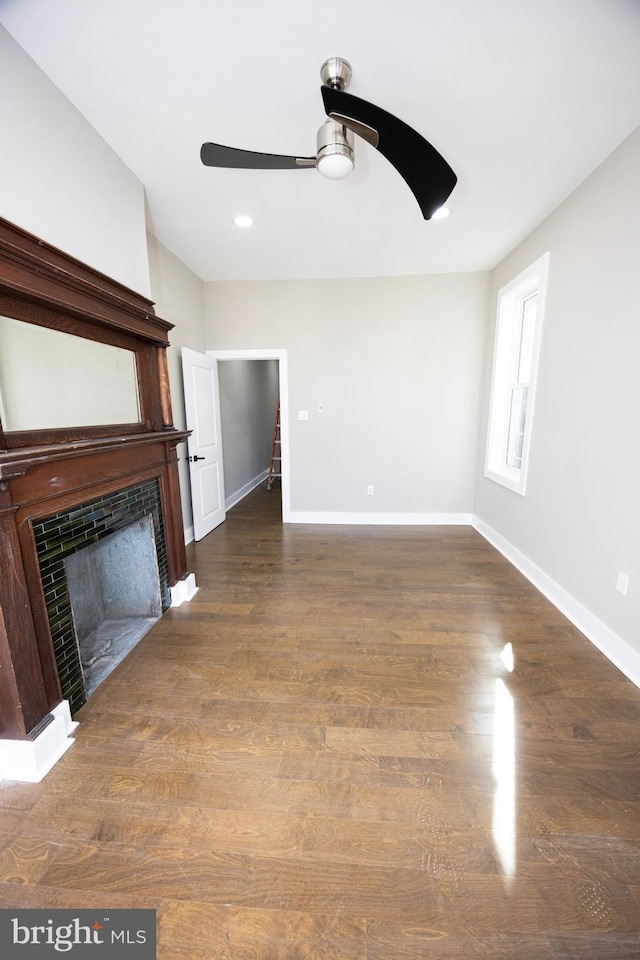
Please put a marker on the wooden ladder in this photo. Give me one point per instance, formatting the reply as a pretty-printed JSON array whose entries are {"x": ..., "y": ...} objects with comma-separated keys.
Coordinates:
[{"x": 275, "y": 464}]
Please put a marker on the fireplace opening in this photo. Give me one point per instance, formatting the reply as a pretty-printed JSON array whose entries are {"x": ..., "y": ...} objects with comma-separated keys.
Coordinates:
[
  {"x": 72, "y": 532},
  {"x": 114, "y": 589}
]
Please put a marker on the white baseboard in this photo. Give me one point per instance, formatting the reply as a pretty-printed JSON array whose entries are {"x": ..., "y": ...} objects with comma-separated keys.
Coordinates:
[
  {"x": 246, "y": 489},
  {"x": 184, "y": 590},
  {"x": 614, "y": 647},
  {"x": 30, "y": 760},
  {"x": 381, "y": 519},
  {"x": 189, "y": 535}
]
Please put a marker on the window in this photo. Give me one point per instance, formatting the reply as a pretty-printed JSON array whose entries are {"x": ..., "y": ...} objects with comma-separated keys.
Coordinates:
[{"x": 515, "y": 364}]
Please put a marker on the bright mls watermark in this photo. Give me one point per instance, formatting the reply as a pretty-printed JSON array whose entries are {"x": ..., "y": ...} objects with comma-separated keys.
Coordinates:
[{"x": 80, "y": 934}]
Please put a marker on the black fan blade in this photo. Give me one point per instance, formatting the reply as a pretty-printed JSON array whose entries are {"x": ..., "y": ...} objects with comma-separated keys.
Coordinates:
[
  {"x": 215, "y": 155},
  {"x": 427, "y": 174}
]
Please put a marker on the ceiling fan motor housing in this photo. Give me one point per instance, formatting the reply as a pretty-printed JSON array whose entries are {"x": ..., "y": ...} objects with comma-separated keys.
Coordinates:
[{"x": 335, "y": 157}]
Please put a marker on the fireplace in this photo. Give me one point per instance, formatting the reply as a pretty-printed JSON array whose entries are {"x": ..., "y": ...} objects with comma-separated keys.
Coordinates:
[
  {"x": 87, "y": 449},
  {"x": 101, "y": 562}
]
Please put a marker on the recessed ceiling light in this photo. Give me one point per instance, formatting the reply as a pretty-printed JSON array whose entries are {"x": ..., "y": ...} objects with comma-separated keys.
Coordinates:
[
  {"x": 243, "y": 220},
  {"x": 440, "y": 213}
]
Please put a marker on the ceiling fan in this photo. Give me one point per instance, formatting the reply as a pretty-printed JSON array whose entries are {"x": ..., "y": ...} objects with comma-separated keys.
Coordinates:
[{"x": 426, "y": 172}]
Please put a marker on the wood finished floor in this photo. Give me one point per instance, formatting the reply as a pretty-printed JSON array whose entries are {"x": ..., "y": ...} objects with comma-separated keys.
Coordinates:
[{"x": 325, "y": 756}]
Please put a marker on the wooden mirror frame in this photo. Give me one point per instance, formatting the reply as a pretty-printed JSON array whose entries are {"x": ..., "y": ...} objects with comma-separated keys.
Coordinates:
[{"x": 44, "y": 286}]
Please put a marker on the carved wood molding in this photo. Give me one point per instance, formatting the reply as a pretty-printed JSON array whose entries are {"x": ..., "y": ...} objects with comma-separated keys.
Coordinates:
[{"x": 39, "y": 273}]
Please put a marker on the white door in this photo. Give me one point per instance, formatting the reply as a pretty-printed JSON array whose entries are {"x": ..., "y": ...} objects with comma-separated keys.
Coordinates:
[{"x": 202, "y": 408}]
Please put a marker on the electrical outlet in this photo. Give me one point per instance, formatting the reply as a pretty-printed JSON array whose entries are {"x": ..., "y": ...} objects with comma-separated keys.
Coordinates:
[
  {"x": 622, "y": 583},
  {"x": 303, "y": 414},
  {"x": 370, "y": 490}
]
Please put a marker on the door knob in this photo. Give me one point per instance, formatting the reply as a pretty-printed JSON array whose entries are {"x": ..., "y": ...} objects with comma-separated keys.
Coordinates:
[{"x": 197, "y": 458}]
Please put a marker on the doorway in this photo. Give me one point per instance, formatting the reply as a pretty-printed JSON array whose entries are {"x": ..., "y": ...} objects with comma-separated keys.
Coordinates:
[{"x": 283, "y": 386}]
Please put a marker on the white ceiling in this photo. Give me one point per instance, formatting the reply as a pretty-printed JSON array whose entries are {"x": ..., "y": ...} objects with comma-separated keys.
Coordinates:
[{"x": 523, "y": 99}]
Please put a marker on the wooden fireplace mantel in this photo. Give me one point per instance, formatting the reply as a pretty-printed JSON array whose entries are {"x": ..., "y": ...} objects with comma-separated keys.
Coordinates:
[
  {"x": 44, "y": 472},
  {"x": 15, "y": 463}
]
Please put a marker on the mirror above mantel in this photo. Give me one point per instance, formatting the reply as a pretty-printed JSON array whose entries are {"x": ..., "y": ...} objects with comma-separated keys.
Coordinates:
[
  {"x": 81, "y": 356},
  {"x": 50, "y": 380}
]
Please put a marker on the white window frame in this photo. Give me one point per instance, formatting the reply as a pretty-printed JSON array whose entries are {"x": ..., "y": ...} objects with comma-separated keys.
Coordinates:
[{"x": 511, "y": 299}]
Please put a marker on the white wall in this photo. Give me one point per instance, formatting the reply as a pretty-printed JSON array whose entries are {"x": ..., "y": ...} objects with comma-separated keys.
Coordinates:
[
  {"x": 580, "y": 520},
  {"x": 60, "y": 181},
  {"x": 178, "y": 296},
  {"x": 396, "y": 364},
  {"x": 248, "y": 403}
]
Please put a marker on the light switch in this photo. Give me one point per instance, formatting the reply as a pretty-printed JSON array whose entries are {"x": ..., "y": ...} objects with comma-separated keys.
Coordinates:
[{"x": 622, "y": 583}]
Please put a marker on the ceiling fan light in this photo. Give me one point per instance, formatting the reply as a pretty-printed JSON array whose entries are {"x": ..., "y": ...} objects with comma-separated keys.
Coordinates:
[
  {"x": 335, "y": 150},
  {"x": 335, "y": 166}
]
